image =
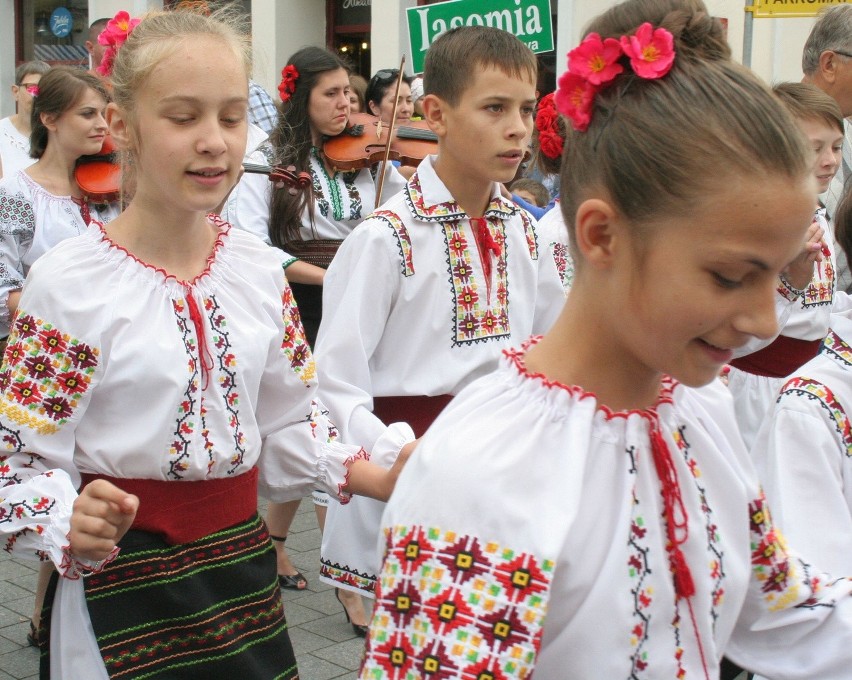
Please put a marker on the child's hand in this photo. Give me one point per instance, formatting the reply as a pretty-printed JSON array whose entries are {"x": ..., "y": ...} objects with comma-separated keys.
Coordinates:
[
  {"x": 801, "y": 270},
  {"x": 101, "y": 516}
]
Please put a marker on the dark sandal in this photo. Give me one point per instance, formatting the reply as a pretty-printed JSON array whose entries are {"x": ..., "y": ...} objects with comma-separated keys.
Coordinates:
[{"x": 295, "y": 581}]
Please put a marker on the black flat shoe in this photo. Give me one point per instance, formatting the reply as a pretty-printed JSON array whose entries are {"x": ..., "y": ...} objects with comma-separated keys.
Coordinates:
[{"x": 359, "y": 629}]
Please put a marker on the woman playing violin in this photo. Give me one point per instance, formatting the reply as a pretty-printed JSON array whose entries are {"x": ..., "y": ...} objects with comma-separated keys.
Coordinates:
[
  {"x": 42, "y": 204},
  {"x": 312, "y": 224}
]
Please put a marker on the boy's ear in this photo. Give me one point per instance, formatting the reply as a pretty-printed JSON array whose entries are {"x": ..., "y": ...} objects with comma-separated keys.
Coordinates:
[
  {"x": 435, "y": 113},
  {"x": 597, "y": 231},
  {"x": 119, "y": 128}
]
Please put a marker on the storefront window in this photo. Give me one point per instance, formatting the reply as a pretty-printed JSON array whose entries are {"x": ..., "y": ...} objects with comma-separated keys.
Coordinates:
[
  {"x": 54, "y": 31},
  {"x": 349, "y": 24}
]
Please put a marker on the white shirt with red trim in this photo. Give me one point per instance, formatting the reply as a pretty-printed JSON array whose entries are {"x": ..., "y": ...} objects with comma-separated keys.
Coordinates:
[
  {"x": 409, "y": 310},
  {"x": 527, "y": 534},
  {"x": 116, "y": 380},
  {"x": 803, "y": 452}
]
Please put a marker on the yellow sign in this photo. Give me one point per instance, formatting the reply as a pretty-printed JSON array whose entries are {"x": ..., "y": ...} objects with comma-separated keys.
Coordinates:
[{"x": 774, "y": 9}]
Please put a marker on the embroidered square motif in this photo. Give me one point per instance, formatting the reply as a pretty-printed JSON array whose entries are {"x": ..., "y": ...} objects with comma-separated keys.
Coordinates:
[
  {"x": 478, "y": 315},
  {"x": 452, "y": 606},
  {"x": 44, "y": 374}
]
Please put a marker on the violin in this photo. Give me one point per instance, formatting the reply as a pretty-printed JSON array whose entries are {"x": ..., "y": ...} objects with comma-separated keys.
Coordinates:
[
  {"x": 99, "y": 175},
  {"x": 365, "y": 142},
  {"x": 281, "y": 177}
]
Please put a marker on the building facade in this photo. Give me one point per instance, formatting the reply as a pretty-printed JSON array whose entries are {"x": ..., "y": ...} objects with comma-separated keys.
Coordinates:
[{"x": 372, "y": 33}]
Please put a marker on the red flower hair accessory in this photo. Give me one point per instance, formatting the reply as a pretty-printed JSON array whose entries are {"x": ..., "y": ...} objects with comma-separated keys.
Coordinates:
[
  {"x": 289, "y": 76},
  {"x": 594, "y": 63},
  {"x": 113, "y": 37},
  {"x": 550, "y": 140}
]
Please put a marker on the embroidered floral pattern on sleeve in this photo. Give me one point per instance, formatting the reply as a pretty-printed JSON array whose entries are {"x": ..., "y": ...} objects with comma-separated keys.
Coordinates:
[
  {"x": 477, "y": 318},
  {"x": 403, "y": 240},
  {"x": 13, "y": 513},
  {"x": 785, "y": 582},
  {"x": 452, "y": 606},
  {"x": 294, "y": 345},
  {"x": 44, "y": 374},
  {"x": 834, "y": 347},
  {"x": 816, "y": 391}
]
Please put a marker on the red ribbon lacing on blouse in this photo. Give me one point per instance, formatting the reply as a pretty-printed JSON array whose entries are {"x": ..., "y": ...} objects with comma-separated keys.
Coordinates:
[
  {"x": 204, "y": 356},
  {"x": 675, "y": 514},
  {"x": 677, "y": 530},
  {"x": 487, "y": 247},
  {"x": 84, "y": 209}
]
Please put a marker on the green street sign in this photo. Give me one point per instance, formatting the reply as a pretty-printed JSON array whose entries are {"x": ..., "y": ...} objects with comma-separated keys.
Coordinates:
[{"x": 529, "y": 20}]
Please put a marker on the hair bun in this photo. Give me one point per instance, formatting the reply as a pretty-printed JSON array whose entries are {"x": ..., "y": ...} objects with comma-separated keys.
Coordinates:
[{"x": 697, "y": 35}]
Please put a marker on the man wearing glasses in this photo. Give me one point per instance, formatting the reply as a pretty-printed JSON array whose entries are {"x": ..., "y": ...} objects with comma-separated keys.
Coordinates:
[
  {"x": 15, "y": 130},
  {"x": 827, "y": 63}
]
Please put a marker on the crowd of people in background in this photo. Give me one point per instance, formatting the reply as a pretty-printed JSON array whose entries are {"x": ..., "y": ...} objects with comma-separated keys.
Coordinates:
[{"x": 543, "y": 383}]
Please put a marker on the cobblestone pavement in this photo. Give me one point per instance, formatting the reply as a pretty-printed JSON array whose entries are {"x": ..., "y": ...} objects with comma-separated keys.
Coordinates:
[{"x": 324, "y": 643}]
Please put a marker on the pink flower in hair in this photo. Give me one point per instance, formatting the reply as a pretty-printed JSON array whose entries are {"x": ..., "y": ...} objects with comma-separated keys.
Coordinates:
[
  {"x": 574, "y": 98},
  {"x": 651, "y": 51},
  {"x": 595, "y": 59},
  {"x": 113, "y": 37}
]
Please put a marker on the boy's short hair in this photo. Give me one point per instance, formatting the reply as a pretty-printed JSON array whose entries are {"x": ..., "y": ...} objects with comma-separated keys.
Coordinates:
[
  {"x": 807, "y": 102},
  {"x": 454, "y": 57},
  {"x": 534, "y": 188}
]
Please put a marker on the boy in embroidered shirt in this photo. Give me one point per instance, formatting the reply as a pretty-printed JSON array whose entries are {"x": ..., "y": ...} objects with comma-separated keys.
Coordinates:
[
  {"x": 761, "y": 367},
  {"x": 425, "y": 294}
]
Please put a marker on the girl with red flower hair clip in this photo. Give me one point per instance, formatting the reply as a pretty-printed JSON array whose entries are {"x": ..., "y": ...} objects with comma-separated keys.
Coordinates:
[
  {"x": 599, "y": 515},
  {"x": 156, "y": 382}
]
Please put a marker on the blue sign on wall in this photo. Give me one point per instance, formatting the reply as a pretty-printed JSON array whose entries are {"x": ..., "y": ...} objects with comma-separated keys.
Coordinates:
[{"x": 61, "y": 22}]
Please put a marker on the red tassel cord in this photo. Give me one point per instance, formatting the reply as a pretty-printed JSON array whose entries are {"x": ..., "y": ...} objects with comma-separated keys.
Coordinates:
[
  {"x": 204, "y": 357},
  {"x": 675, "y": 514},
  {"x": 85, "y": 213},
  {"x": 677, "y": 529},
  {"x": 487, "y": 247}
]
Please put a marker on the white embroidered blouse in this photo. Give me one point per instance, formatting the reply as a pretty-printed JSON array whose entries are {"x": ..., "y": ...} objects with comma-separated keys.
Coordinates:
[
  {"x": 527, "y": 534},
  {"x": 140, "y": 375},
  {"x": 32, "y": 221}
]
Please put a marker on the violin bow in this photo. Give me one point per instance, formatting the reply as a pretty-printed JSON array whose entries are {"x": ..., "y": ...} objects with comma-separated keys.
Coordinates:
[{"x": 386, "y": 156}]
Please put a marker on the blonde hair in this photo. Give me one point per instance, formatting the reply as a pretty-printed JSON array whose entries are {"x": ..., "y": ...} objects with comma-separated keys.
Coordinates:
[
  {"x": 156, "y": 38},
  {"x": 159, "y": 34}
]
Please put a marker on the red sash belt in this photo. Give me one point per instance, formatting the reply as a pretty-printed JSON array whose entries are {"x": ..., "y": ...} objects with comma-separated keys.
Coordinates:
[
  {"x": 183, "y": 512},
  {"x": 419, "y": 412},
  {"x": 779, "y": 359}
]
